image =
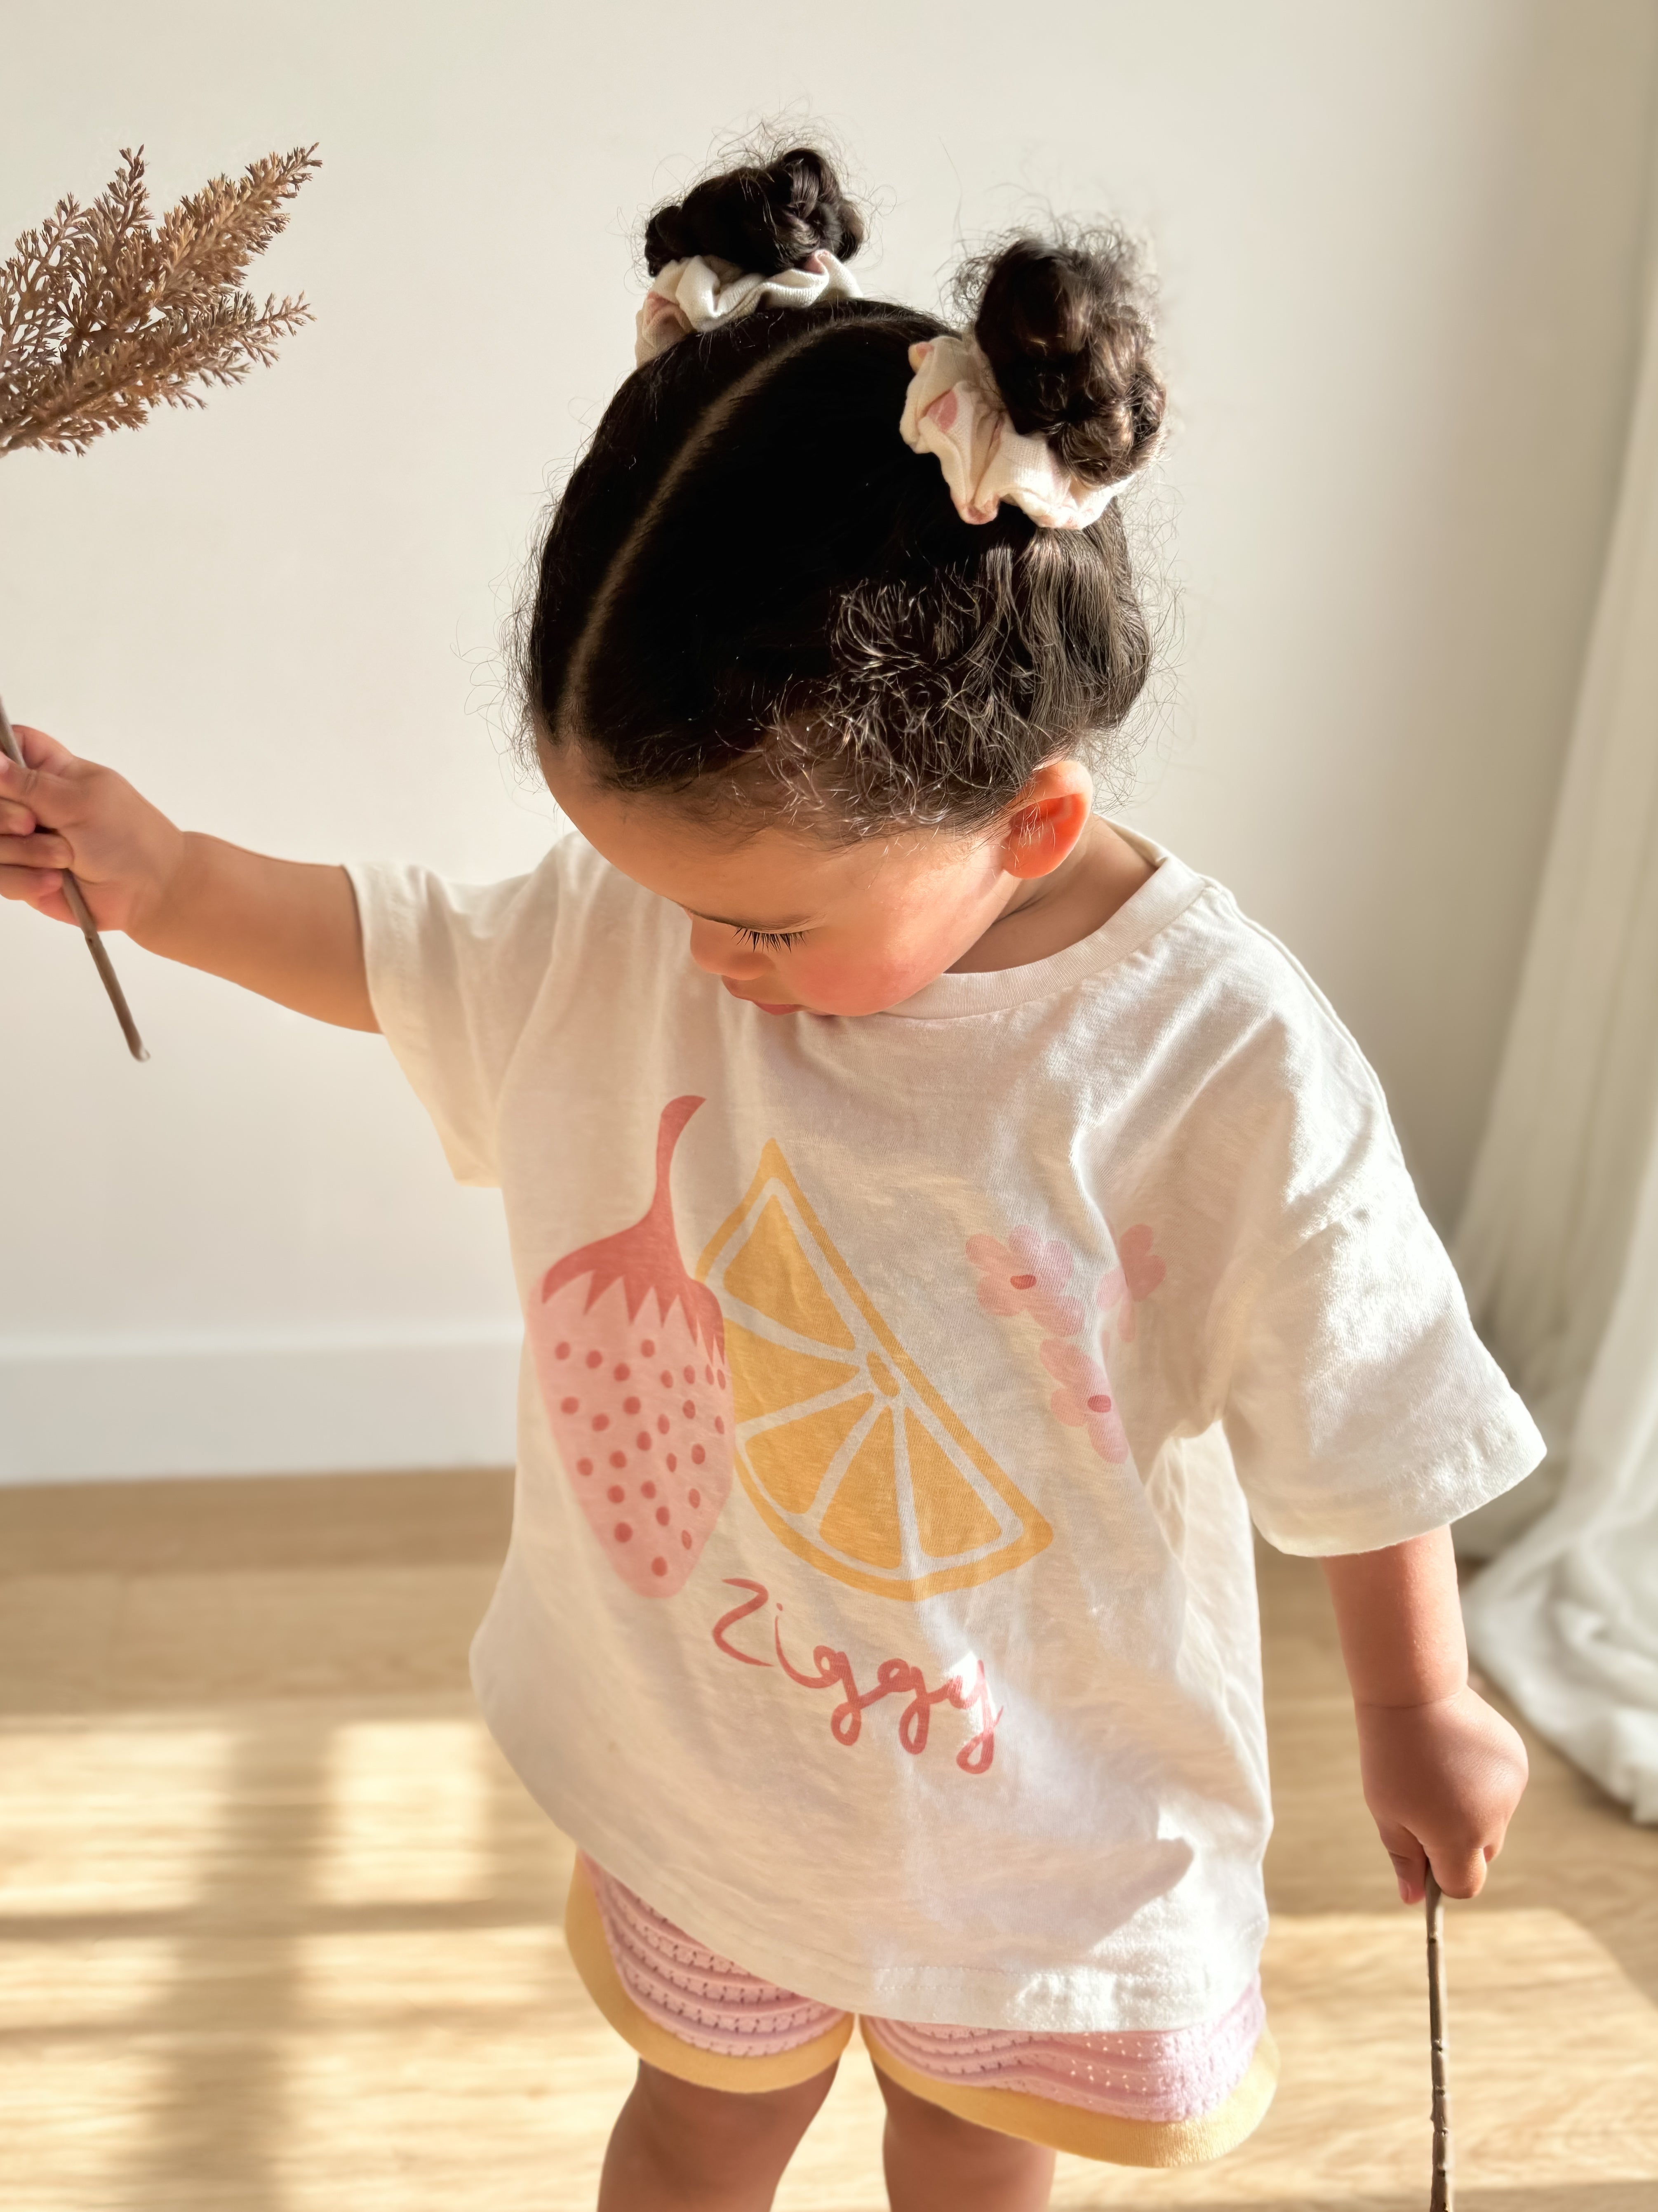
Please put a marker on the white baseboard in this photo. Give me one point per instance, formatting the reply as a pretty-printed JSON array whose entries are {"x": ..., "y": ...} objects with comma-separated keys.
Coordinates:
[{"x": 97, "y": 1409}]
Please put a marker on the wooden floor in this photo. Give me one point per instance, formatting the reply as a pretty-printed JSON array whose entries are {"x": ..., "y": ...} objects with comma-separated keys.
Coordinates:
[{"x": 280, "y": 1933}]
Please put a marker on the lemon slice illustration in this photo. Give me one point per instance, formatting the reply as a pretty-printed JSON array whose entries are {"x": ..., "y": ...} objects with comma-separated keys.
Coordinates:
[{"x": 851, "y": 1457}]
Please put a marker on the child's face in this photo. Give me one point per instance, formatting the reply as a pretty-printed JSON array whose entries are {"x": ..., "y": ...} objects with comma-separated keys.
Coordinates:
[{"x": 795, "y": 927}]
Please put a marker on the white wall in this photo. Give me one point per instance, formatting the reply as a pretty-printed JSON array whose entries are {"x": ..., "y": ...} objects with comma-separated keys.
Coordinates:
[{"x": 1398, "y": 242}]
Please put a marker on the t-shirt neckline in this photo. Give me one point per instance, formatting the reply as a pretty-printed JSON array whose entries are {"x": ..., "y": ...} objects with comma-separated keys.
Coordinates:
[{"x": 1167, "y": 892}]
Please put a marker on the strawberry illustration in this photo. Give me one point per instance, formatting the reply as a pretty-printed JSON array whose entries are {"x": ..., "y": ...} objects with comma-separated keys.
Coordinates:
[{"x": 630, "y": 1354}]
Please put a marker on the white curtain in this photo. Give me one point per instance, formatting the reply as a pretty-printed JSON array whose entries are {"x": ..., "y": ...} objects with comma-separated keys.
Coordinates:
[{"x": 1558, "y": 1245}]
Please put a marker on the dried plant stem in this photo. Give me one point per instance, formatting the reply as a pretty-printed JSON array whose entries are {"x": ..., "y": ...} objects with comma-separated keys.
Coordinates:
[
  {"x": 1440, "y": 2199},
  {"x": 76, "y": 900},
  {"x": 105, "y": 316}
]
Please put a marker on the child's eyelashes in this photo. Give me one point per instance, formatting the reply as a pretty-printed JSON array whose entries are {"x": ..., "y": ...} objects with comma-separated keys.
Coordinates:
[{"x": 771, "y": 940}]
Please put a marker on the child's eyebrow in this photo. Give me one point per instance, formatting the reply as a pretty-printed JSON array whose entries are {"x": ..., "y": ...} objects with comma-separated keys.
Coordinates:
[{"x": 759, "y": 928}]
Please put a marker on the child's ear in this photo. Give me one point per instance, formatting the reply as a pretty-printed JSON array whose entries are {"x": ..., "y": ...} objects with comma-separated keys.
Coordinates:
[{"x": 1050, "y": 814}]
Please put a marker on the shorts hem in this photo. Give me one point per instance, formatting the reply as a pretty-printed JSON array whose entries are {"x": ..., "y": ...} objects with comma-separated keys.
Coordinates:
[
  {"x": 1105, "y": 2137},
  {"x": 590, "y": 1955}
]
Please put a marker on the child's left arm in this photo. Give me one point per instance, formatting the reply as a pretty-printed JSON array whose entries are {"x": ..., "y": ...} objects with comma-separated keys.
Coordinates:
[{"x": 1442, "y": 1772}]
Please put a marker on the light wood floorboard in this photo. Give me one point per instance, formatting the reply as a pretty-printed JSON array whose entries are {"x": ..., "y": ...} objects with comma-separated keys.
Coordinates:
[{"x": 280, "y": 1932}]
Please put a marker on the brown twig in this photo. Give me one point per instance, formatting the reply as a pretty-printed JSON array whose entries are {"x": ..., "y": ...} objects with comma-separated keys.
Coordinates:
[{"x": 1440, "y": 2199}]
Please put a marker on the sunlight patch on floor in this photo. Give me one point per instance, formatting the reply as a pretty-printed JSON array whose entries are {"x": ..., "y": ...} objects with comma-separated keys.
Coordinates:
[
  {"x": 406, "y": 1812},
  {"x": 282, "y": 1957},
  {"x": 144, "y": 1802}
]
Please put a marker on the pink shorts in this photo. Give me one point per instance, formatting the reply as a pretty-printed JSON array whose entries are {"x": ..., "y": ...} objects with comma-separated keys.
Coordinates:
[{"x": 1148, "y": 2098}]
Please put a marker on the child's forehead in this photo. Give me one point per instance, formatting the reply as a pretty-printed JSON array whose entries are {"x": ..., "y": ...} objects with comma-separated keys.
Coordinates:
[
  {"x": 774, "y": 878},
  {"x": 759, "y": 875},
  {"x": 770, "y": 876}
]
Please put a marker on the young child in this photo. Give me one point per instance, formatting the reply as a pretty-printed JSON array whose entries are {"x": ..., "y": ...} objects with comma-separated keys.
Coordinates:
[{"x": 942, "y": 1222}]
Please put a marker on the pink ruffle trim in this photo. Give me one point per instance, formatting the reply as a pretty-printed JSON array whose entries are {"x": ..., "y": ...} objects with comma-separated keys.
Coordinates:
[
  {"x": 705, "y": 2000},
  {"x": 712, "y": 2003},
  {"x": 1144, "y": 2074}
]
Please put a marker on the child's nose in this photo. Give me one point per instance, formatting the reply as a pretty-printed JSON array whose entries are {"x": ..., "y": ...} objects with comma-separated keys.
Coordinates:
[{"x": 717, "y": 949}]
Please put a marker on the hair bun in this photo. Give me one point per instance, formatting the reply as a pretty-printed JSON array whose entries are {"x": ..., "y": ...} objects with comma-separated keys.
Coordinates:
[
  {"x": 763, "y": 219},
  {"x": 1064, "y": 328}
]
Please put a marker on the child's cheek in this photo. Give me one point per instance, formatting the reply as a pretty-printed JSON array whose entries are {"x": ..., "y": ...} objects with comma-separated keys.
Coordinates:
[{"x": 849, "y": 984}]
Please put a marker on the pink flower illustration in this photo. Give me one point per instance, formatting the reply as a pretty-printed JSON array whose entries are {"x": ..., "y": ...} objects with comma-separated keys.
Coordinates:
[
  {"x": 1084, "y": 1399},
  {"x": 1137, "y": 1275},
  {"x": 1029, "y": 1275}
]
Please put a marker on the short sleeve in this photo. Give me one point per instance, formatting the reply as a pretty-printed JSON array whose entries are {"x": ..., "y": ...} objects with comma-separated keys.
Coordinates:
[
  {"x": 453, "y": 971},
  {"x": 1363, "y": 1408}
]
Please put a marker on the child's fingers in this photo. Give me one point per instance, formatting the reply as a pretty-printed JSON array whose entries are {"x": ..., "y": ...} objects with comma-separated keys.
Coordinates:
[
  {"x": 40, "y": 792},
  {"x": 38, "y": 749},
  {"x": 40, "y": 849},
  {"x": 1410, "y": 1861},
  {"x": 40, "y": 888},
  {"x": 1461, "y": 1873}
]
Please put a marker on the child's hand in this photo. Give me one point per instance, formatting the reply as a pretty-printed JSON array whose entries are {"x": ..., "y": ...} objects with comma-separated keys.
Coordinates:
[
  {"x": 284, "y": 928},
  {"x": 1442, "y": 1772},
  {"x": 60, "y": 812},
  {"x": 1441, "y": 1781}
]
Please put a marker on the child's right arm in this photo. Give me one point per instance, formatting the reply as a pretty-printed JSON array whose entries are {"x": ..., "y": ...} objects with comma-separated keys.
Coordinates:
[{"x": 281, "y": 928}]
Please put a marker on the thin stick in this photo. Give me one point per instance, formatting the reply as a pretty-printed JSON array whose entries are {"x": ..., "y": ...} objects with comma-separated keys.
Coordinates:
[
  {"x": 75, "y": 899},
  {"x": 1441, "y": 2198}
]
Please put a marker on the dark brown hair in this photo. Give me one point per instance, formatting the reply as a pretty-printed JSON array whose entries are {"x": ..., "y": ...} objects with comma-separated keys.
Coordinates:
[{"x": 752, "y": 593}]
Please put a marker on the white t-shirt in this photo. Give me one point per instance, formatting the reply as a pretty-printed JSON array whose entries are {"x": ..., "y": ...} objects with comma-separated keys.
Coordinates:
[{"x": 897, "y": 1392}]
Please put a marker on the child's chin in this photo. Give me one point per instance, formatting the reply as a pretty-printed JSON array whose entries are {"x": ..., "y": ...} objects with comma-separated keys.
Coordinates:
[
  {"x": 872, "y": 1002},
  {"x": 763, "y": 1005}
]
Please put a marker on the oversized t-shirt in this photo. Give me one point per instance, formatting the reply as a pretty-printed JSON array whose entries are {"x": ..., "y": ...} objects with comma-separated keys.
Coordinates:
[{"x": 896, "y": 1395}]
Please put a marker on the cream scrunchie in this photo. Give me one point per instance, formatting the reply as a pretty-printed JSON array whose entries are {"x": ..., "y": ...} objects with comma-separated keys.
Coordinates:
[
  {"x": 704, "y": 292},
  {"x": 954, "y": 410}
]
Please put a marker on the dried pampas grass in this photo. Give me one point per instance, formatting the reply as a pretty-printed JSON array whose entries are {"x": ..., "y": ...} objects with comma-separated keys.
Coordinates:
[{"x": 104, "y": 316}]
